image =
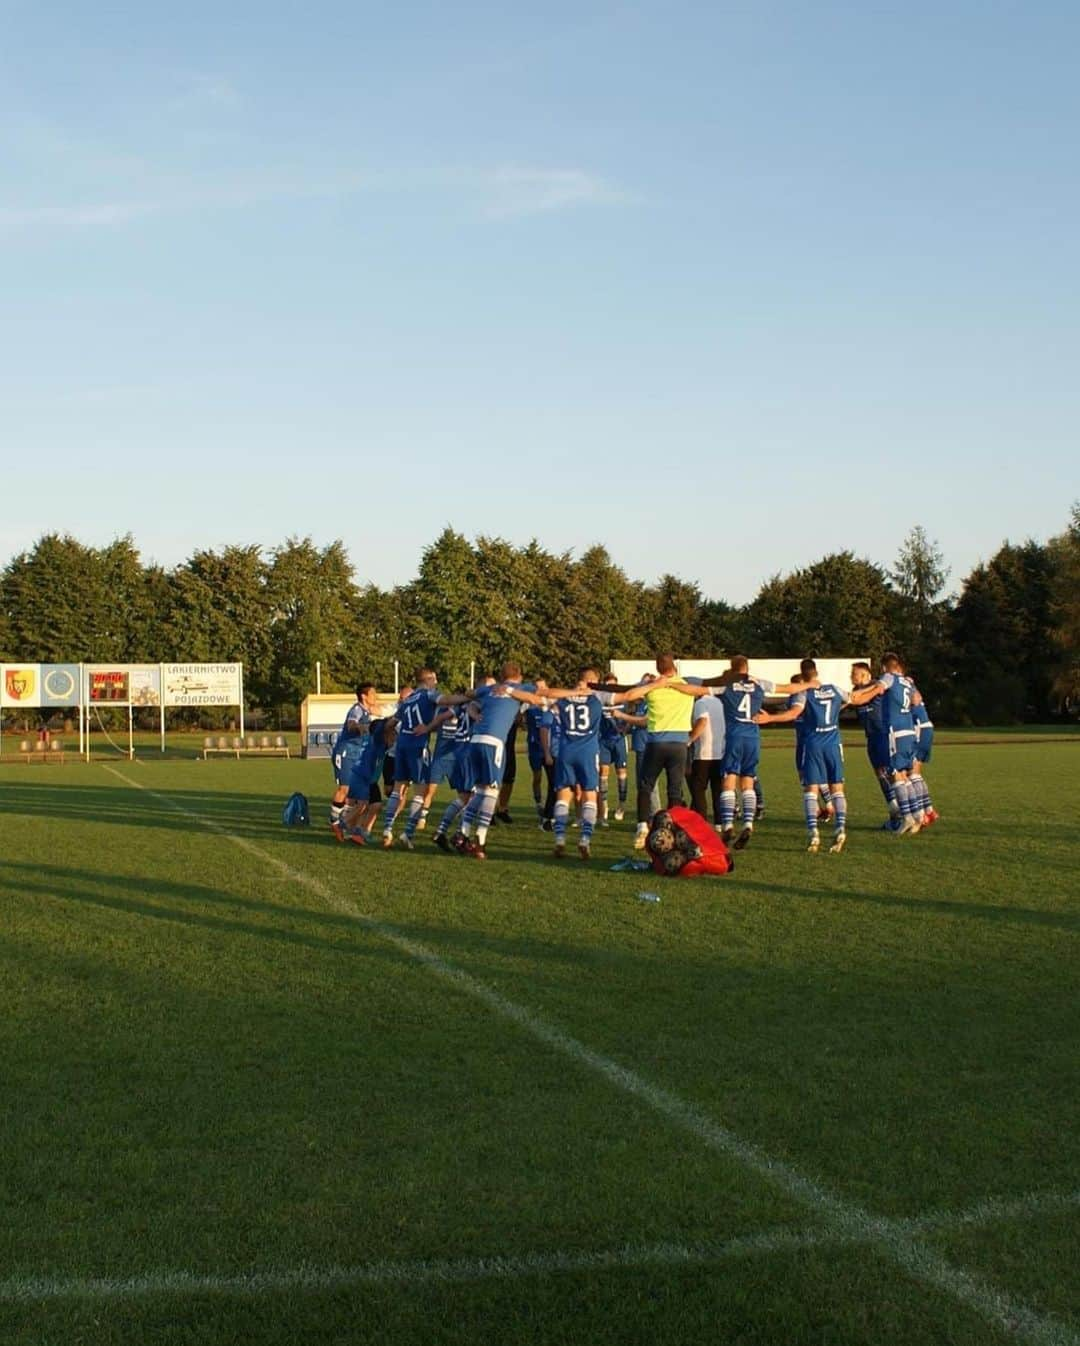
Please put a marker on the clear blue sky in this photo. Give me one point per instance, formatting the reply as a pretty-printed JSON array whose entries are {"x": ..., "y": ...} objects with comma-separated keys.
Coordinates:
[{"x": 803, "y": 274}]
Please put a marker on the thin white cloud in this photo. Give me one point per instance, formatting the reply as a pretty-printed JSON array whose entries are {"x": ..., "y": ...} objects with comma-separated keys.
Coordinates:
[
  {"x": 173, "y": 198},
  {"x": 74, "y": 216},
  {"x": 97, "y": 188},
  {"x": 515, "y": 190}
]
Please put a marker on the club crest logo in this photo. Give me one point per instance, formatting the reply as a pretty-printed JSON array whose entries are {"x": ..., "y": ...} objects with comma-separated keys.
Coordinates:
[
  {"x": 59, "y": 684},
  {"x": 19, "y": 683}
]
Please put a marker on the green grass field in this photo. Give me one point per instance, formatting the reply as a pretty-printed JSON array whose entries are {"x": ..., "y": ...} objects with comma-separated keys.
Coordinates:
[{"x": 258, "y": 1087}]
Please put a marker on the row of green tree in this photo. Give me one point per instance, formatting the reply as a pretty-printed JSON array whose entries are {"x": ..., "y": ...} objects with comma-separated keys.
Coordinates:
[{"x": 1005, "y": 648}]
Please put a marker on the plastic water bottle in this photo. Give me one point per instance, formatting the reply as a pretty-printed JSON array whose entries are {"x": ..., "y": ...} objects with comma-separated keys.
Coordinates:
[{"x": 648, "y": 897}]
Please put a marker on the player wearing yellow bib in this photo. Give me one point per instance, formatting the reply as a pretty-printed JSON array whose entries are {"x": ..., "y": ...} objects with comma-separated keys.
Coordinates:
[{"x": 669, "y": 705}]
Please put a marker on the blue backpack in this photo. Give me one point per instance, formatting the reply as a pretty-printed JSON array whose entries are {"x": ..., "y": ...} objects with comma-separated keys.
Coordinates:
[{"x": 296, "y": 812}]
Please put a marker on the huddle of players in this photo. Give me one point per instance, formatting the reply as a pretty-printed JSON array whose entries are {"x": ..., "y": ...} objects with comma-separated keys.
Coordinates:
[
  {"x": 575, "y": 735},
  {"x": 472, "y": 729},
  {"x": 899, "y": 736}
]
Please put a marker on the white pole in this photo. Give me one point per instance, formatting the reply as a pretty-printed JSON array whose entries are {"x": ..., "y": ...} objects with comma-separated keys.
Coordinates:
[
  {"x": 131, "y": 734},
  {"x": 472, "y": 673},
  {"x": 241, "y": 700},
  {"x": 318, "y": 677},
  {"x": 395, "y": 677}
]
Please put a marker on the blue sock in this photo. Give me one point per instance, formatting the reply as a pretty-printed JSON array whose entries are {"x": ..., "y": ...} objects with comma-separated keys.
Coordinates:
[
  {"x": 484, "y": 813},
  {"x": 393, "y": 803},
  {"x": 810, "y": 810},
  {"x": 588, "y": 821},
  {"x": 727, "y": 809},
  {"x": 561, "y": 817},
  {"x": 749, "y": 807},
  {"x": 416, "y": 809},
  {"x": 839, "y": 802},
  {"x": 452, "y": 810}
]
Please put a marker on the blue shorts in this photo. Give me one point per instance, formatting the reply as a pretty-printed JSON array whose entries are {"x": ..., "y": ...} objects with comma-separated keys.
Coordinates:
[
  {"x": 412, "y": 761},
  {"x": 741, "y": 755},
  {"x": 924, "y": 742},
  {"x": 364, "y": 783},
  {"x": 442, "y": 764},
  {"x": 461, "y": 778},
  {"x": 346, "y": 755},
  {"x": 823, "y": 763},
  {"x": 901, "y": 752},
  {"x": 613, "y": 752},
  {"x": 800, "y": 757},
  {"x": 578, "y": 766},
  {"x": 877, "y": 749},
  {"x": 486, "y": 764}
]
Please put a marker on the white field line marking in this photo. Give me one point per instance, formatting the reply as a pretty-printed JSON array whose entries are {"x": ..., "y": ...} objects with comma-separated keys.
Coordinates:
[
  {"x": 425, "y": 1270},
  {"x": 846, "y": 1218}
]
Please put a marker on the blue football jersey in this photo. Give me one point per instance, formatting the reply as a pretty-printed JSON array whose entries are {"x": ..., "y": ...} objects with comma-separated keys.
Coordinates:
[
  {"x": 896, "y": 703},
  {"x": 353, "y": 728},
  {"x": 446, "y": 733},
  {"x": 580, "y": 717},
  {"x": 821, "y": 711},
  {"x": 420, "y": 707},
  {"x": 498, "y": 710},
  {"x": 802, "y": 725},
  {"x": 534, "y": 718},
  {"x": 870, "y": 716},
  {"x": 742, "y": 701}
]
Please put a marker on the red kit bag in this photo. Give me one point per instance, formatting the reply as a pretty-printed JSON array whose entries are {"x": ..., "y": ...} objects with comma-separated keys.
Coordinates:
[{"x": 682, "y": 845}]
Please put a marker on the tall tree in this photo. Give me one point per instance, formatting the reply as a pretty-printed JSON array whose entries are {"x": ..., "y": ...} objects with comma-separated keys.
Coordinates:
[
  {"x": 52, "y": 599},
  {"x": 446, "y": 615},
  {"x": 312, "y": 609},
  {"x": 1002, "y": 637},
  {"x": 919, "y": 576},
  {"x": 219, "y": 613},
  {"x": 1065, "y": 613},
  {"x": 675, "y": 617},
  {"x": 840, "y": 605}
]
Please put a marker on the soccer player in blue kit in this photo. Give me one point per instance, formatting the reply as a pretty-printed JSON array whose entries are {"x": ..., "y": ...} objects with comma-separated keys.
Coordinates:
[
  {"x": 580, "y": 712},
  {"x": 816, "y": 712},
  {"x": 364, "y": 778},
  {"x": 538, "y": 726},
  {"x": 613, "y": 730},
  {"x": 460, "y": 779},
  {"x": 347, "y": 748},
  {"x": 486, "y": 755},
  {"x": 924, "y": 742},
  {"x": 743, "y": 696},
  {"x": 877, "y": 746},
  {"x": 417, "y": 714},
  {"x": 896, "y": 692},
  {"x": 447, "y": 723}
]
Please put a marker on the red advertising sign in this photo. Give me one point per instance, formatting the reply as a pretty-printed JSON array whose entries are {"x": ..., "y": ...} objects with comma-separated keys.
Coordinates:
[{"x": 109, "y": 685}]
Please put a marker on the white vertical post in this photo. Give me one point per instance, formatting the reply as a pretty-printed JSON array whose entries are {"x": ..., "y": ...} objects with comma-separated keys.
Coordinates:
[
  {"x": 86, "y": 706},
  {"x": 241, "y": 700},
  {"x": 472, "y": 673},
  {"x": 396, "y": 684},
  {"x": 318, "y": 677},
  {"x": 131, "y": 734}
]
